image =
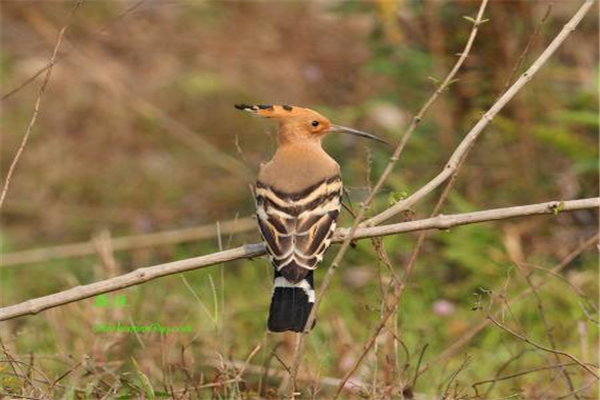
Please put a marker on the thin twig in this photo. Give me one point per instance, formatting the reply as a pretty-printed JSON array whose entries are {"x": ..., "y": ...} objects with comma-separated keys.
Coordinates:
[
  {"x": 454, "y": 375},
  {"x": 541, "y": 347},
  {"x": 389, "y": 311},
  {"x": 547, "y": 328},
  {"x": 146, "y": 274},
  {"x": 573, "y": 286},
  {"x": 38, "y": 102},
  {"x": 533, "y": 36},
  {"x": 570, "y": 394},
  {"x": 416, "y": 375},
  {"x": 499, "y": 371}
]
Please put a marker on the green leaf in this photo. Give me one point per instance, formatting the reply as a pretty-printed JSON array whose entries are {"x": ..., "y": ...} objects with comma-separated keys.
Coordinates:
[
  {"x": 452, "y": 81},
  {"x": 395, "y": 197},
  {"x": 474, "y": 21}
]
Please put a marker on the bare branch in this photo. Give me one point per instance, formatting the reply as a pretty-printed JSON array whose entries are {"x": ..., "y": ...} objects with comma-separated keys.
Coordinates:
[
  {"x": 476, "y": 131},
  {"x": 36, "y": 107},
  {"x": 448, "y": 221},
  {"x": 146, "y": 274}
]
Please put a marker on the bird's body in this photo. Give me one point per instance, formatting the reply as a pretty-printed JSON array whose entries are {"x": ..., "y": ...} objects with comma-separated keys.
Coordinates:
[
  {"x": 298, "y": 199},
  {"x": 297, "y": 207}
]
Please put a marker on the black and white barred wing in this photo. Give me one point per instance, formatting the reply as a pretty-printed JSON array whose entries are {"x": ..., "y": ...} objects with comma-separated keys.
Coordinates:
[{"x": 297, "y": 227}]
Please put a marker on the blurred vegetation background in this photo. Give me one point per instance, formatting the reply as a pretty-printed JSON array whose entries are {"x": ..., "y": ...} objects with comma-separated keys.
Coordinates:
[{"x": 138, "y": 134}]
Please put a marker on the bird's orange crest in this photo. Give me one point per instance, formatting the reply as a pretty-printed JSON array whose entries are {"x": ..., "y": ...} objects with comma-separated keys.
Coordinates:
[{"x": 273, "y": 110}]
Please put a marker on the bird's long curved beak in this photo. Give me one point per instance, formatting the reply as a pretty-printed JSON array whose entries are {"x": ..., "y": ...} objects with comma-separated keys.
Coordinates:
[{"x": 355, "y": 132}]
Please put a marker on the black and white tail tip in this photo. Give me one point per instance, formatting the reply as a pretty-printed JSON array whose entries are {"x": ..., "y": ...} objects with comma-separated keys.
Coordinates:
[{"x": 291, "y": 304}]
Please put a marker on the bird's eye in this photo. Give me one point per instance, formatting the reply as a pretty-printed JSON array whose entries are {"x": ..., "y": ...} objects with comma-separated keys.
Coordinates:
[{"x": 315, "y": 123}]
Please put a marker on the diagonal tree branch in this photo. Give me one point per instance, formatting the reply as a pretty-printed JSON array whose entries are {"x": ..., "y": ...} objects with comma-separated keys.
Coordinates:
[
  {"x": 476, "y": 131},
  {"x": 146, "y": 274}
]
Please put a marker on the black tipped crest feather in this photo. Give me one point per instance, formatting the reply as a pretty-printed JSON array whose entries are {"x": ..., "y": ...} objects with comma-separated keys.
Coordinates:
[{"x": 267, "y": 110}]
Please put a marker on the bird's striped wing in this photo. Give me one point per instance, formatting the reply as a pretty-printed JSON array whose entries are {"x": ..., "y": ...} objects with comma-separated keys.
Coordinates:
[{"x": 297, "y": 227}]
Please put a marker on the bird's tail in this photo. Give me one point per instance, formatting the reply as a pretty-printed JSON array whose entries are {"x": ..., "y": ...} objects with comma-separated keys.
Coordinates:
[{"x": 291, "y": 304}]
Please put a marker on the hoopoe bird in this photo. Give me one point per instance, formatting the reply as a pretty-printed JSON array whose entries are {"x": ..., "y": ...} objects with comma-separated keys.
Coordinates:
[{"x": 298, "y": 199}]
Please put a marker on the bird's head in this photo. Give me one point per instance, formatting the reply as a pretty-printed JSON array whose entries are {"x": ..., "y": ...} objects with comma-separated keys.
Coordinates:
[{"x": 299, "y": 123}]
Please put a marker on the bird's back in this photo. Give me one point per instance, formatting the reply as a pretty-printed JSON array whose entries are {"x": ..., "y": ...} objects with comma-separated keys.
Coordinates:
[{"x": 298, "y": 199}]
